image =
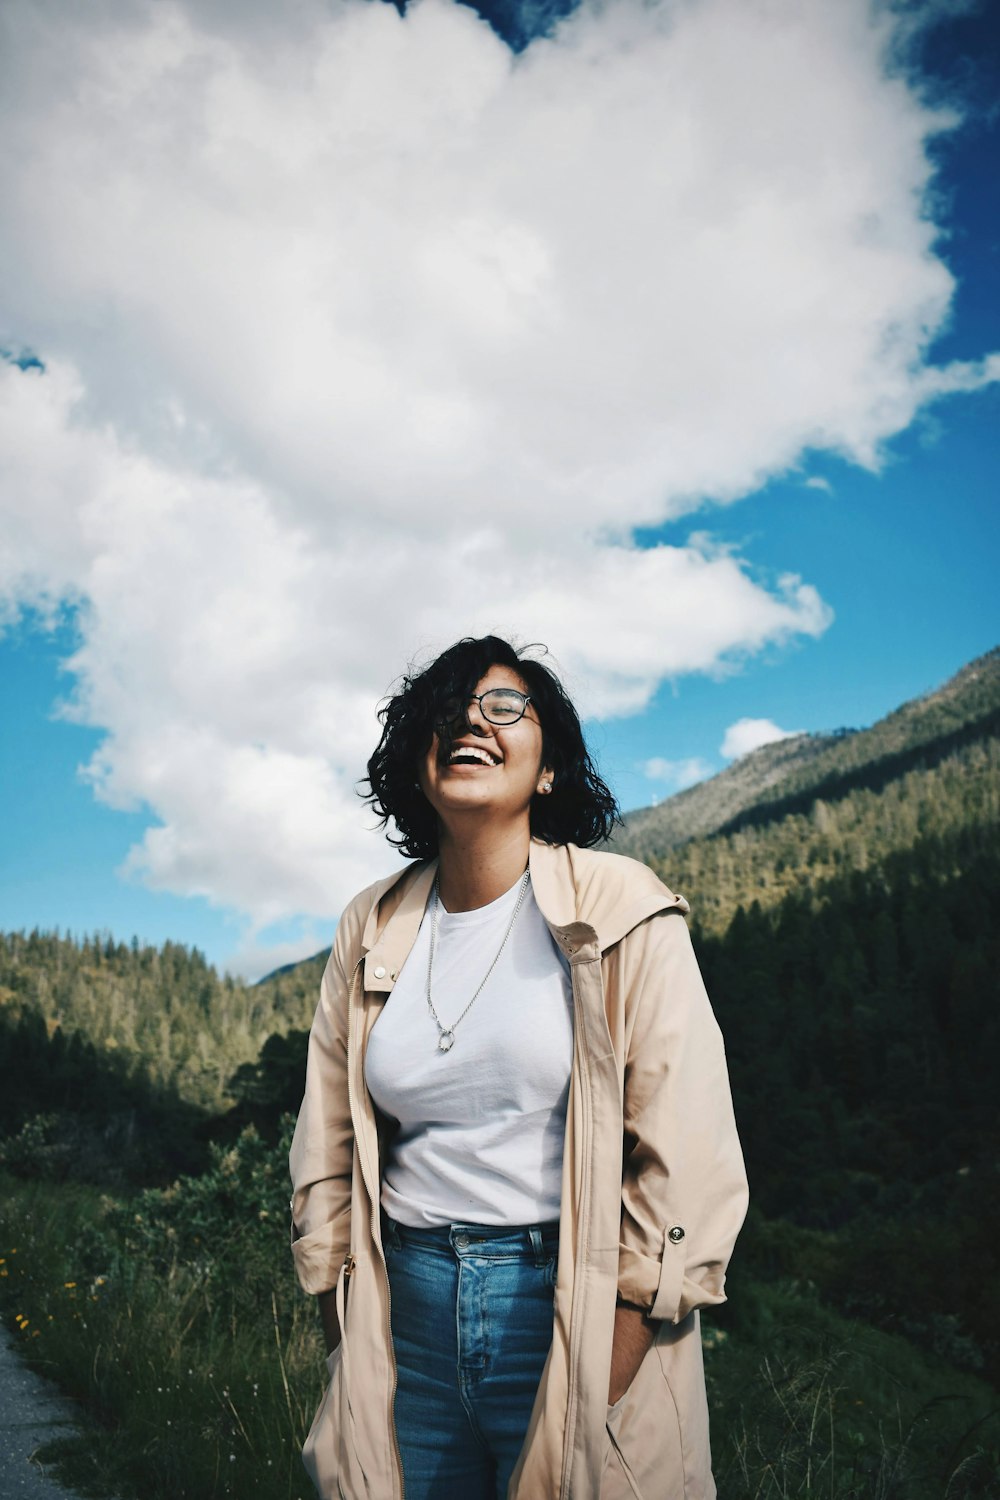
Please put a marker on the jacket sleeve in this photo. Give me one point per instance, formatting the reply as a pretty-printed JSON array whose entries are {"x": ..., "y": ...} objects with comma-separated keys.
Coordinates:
[
  {"x": 684, "y": 1188},
  {"x": 322, "y": 1150}
]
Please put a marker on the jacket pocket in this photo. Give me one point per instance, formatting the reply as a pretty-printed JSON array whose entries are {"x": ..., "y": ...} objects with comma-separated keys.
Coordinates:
[
  {"x": 330, "y": 1451},
  {"x": 321, "y": 1450},
  {"x": 618, "y": 1482},
  {"x": 643, "y": 1459}
]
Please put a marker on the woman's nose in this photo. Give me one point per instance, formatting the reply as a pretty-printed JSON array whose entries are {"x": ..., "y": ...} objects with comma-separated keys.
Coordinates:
[{"x": 475, "y": 718}]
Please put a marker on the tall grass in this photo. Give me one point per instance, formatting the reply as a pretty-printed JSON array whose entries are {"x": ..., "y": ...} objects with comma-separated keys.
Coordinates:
[
  {"x": 195, "y": 1386},
  {"x": 810, "y": 1406},
  {"x": 174, "y": 1318}
]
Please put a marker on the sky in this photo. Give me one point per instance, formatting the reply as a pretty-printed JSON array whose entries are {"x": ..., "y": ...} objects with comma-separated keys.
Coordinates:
[{"x": 668, "y": 337}]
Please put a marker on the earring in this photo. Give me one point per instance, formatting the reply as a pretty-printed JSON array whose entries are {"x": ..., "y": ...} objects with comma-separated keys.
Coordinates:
[{"x": 546, "y": 786}]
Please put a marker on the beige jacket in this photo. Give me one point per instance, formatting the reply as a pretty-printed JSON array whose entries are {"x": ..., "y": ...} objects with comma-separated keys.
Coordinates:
[{"x": 653, "y": 1193}]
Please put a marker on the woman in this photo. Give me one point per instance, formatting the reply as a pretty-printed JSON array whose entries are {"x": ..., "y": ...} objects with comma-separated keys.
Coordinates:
[{"x": 516, "y": 1171}]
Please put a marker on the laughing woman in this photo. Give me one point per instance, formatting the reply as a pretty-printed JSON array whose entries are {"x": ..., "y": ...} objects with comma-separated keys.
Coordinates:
[{"x": 516, "y": 1172}]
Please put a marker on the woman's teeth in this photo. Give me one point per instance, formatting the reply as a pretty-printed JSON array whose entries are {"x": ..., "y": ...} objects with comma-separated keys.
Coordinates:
[{"x": 467, "y": 752}]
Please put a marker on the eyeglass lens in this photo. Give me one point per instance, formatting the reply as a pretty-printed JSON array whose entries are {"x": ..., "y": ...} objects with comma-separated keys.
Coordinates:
[
  {"x": 503, "y": 705},
  {"x": 499, "y": 706}
]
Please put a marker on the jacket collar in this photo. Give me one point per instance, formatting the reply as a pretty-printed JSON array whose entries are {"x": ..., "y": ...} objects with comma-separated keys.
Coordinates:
[
  {"x": 393, "y": 923},
  {"x": 589, "y": 899},
  {"x": 608, "y": 893}
]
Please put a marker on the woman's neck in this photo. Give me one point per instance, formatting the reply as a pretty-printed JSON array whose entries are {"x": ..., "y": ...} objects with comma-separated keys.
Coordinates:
[{"x": 473, "y": 871}]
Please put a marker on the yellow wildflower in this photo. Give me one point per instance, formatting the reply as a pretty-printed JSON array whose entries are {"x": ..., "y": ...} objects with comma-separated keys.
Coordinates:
[{"x": 69, "y": 1284}]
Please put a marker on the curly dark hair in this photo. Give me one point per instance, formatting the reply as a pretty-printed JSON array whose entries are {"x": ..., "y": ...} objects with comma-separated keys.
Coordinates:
[{"x": 580, "y": 809}]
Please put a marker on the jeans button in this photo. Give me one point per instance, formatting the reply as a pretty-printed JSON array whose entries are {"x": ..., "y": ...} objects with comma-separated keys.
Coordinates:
[{"x": 461, "y": 1242}]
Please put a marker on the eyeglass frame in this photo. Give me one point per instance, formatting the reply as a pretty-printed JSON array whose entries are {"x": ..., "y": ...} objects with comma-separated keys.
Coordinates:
[{"x": 477, "y": 698}]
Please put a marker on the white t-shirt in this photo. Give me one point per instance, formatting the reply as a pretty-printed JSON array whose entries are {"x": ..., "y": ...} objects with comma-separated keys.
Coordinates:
[{"x": 481, "y": 1127}]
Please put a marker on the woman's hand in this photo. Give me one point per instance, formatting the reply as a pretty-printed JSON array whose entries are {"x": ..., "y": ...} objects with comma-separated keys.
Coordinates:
[
  {"x": 328, "y": 1317},
  {"x": 633, "y": 1338}
]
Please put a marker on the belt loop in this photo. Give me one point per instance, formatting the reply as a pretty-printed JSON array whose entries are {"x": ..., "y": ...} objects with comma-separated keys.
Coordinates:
[{"x": 535, "y": 1236}]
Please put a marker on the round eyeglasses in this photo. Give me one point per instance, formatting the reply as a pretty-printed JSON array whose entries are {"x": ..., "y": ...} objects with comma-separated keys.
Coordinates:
[{"x": 497, "y": 706}]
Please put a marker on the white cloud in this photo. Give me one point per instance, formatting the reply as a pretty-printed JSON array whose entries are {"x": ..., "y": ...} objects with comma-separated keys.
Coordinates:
[
  {"x": 817, "y": 482},
  {"x": 677, "y": 774},
  {"x": 362, "y": 334},
  {"x": 236, "y": 659},
  {"x": 749, "y": 734}
]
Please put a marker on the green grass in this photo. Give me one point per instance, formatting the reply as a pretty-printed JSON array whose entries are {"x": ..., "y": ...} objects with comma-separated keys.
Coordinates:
[
  {"x": 807, "y": 1404},
  {"x": 185, "y": 1395},
  {"x": 197, "y": 1370}
]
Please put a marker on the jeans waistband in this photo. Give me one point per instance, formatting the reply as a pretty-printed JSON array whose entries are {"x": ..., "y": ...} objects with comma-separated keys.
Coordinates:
[{"x": 532, "y": 1241}]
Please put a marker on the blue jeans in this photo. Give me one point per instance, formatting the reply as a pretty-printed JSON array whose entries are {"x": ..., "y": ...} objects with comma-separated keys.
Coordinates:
[{"x": 471, "y": 1328}]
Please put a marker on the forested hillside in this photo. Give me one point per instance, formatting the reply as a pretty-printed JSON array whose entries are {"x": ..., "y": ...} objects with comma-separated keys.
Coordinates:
[
  {"x": 955, "y": 803},
  {"x": 163, "y": 1011},
  {"x": 801, "y": 812},
  {"x": 789, "y": 775},
  {"x": 862, "y": 1025}
]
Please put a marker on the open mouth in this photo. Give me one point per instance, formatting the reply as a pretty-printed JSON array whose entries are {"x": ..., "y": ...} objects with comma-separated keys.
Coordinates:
[{"x": 473, "y": 755}]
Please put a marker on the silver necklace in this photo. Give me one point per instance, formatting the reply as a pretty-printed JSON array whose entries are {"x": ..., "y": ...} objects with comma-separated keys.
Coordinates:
[{"x": 446, "y": 1034}]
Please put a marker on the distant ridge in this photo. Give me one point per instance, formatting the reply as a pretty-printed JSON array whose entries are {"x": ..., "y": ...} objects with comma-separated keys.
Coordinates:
[
  {"x": 790, "y": 774},
  {"x": 284, "y": 970}
]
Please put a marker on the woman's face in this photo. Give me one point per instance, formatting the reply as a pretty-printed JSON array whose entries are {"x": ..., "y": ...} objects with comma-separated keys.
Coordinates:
[{"x": 485, "y": 770}]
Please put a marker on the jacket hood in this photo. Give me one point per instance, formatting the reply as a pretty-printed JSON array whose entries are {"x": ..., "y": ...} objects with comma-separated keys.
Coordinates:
[{"x": 608, "y": 893}]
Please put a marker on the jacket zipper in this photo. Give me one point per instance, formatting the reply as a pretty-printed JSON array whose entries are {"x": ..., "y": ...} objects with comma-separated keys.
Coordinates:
[
  {"x": 575, "y": 1320},
  {"x": 392, "y": 1359},
  {"x": 354, "y": 1047}
]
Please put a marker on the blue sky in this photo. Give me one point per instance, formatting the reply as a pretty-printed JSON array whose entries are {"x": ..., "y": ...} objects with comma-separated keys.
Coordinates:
[{"x": 903, "y": 557}]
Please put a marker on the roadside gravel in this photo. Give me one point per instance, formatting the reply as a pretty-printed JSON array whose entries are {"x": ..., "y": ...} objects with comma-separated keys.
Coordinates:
[{"x": 32, "y": 1412}]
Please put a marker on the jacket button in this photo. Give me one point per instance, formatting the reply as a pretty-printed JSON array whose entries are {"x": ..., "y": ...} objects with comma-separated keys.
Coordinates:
[
  {"x": 675, "y": 1235},
  {"x": 379, "y": 972}
]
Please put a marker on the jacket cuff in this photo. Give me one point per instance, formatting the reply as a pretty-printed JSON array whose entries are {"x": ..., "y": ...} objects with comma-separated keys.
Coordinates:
[
  {"x": 667, "y": 1303},
  {"x": 656, "y": 1285},
  {"x": 638, "y": 1276},
  {"x": 318, "y": 1258}
]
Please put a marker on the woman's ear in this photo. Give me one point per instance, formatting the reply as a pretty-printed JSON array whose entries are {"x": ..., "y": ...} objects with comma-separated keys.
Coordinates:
[{"x": 546, "y": 781}]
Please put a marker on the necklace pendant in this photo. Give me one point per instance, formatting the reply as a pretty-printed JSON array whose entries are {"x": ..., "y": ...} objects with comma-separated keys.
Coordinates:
[{"x": 446, "y": 1041}]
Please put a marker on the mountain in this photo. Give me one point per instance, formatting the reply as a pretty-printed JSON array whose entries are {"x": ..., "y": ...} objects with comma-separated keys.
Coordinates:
[
  {"x": 292, "y": 991},
  {"x": 709, "y": 805},
  {"x": 789, "y": 774},
  {"x": 792, "y": 814}
]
